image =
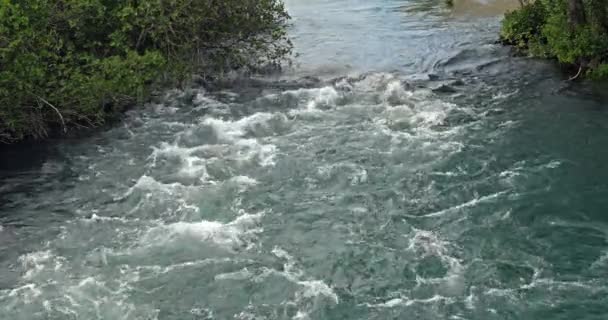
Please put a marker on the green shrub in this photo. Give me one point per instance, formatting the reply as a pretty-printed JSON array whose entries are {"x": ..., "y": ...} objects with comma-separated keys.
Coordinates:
[
  {"x": 573, "y": 46},
  {"x": 520, "y": 27},
  {"x": 67, "y": 63},
  {"x": 600, "y": 72},
  {"x": 542, "y": 29}
]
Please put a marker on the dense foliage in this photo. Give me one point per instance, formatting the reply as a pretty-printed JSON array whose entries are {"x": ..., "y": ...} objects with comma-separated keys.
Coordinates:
[
  {"x": 69, "y": 63},
  {"x": 575, "y": 32}
]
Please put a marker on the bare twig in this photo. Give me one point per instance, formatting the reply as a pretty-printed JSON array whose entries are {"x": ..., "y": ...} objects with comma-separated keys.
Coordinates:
[
  {"x": 577, "y": 74},
  {"x": 56, "y": 110}
]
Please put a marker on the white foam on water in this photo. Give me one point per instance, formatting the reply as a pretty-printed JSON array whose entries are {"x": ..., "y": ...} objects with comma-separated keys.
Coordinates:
[
  {"x": 508, "y": 293},
  {"x": 508, "y": 174},
  {"x": 553, "y": 164},
  {"x": 312, "y": 102},
  {"x": 396, "y": 94},
  {"x": 508, "y": 124},
  {"x": 223, "y": 234},
  {"x": 174, "y": 124},
  {"x": 242, "y": 183},
  {"x": 245, "y": 139},
  {"x": 358, "y": 177},
  {"x": 308, "y": 288},
  {"x": 454, "y": 282},
  {"x": 230, "y": 131},
  {"x": 163, "y": 109},
  {"x": 407, "y": 302},
  {"x": 190, "y": 166},
  {"x": 314, "y": 97},
  {"x": 315, "y": 288},
  {"x": 469, "y": 301},
  {"x": 25, "y": 294},
  {"x": 201, "y": 100},
  {"x": 157, "y": 269},
  {"x": 503, "y": 96},
  {"x": 147, "y": 183},
  {"x": 290, "y": 265},
  {"x": 236, "y": 133},
  {"x": 397, "y": 117},
  {"x": 95, "y": 218},
  {"x": 194, "y": 167},
  {"x": 245, "y": 315},
  {"x": 427, "y": 243},
  {"x": 227, "y": 131},
  {"x": 107, "y": 299},
  {"x": 601, "y": 263},
  {"x": 242, "y": 274},
  {"x": 449, "y": 173},
  {"x": 252, "y": 149},
  {"x": 301, "y": 315},
  {"x": 375, "y": 82},
  {"x": 47, "y": 306},
  {"x": 552, "y": 287},
  {"x": 33, "y": 263},
  {"x": 309, "y": 295},
  {"x": 232, "y": 140},
  {"x": 343, "y": 85},
  {"x": 427, "y": 118},
  {"x": 391, "y": 303},
  {"x": 355, "y": 174},
  {"x": 422, "y": 111},
  {"x": 417, "y": 126},
  {"x": 465, "y": 205},
  {"x": 202, "y": 312},
  {"x": 593, "y": 285},
  {"x": 326, "y": 96}
]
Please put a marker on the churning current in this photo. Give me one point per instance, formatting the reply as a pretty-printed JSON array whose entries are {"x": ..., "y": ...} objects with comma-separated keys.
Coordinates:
[{"x": 406, "y": 167}]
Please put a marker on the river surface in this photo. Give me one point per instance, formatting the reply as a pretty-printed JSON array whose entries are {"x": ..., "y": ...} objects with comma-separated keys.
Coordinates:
[{"x": 405, "y": 168}]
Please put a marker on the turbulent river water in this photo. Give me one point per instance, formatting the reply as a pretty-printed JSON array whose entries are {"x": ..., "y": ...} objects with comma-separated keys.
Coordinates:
[{"x": 405, "y": 168}]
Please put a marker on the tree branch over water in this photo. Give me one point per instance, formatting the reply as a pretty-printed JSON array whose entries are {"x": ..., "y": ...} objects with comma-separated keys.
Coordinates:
[{"x": 92, "y": 59}]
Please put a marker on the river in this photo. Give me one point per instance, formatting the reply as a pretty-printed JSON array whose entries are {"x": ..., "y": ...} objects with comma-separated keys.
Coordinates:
[{"x": 406, "y": 167}]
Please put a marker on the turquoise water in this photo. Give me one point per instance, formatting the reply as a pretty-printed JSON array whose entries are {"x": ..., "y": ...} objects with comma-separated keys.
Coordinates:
[{"x": 405, "y": 168}]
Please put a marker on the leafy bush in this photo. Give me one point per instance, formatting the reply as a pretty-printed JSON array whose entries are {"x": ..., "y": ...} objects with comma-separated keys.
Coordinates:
[
  {"x": 573, "y": 46},
  {"x": 542, "y": 29},
  {"x": 67, "y": 63},
  {"x": 599, "y": 73},
  {"x": 520, "y": 27}
]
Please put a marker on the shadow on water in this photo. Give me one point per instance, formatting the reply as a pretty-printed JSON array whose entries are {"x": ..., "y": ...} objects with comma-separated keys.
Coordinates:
[{"x": 22, "y": 157}]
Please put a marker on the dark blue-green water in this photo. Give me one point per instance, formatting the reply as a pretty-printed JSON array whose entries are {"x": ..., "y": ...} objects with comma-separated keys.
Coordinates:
[{"x": 405, "y": 168}]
